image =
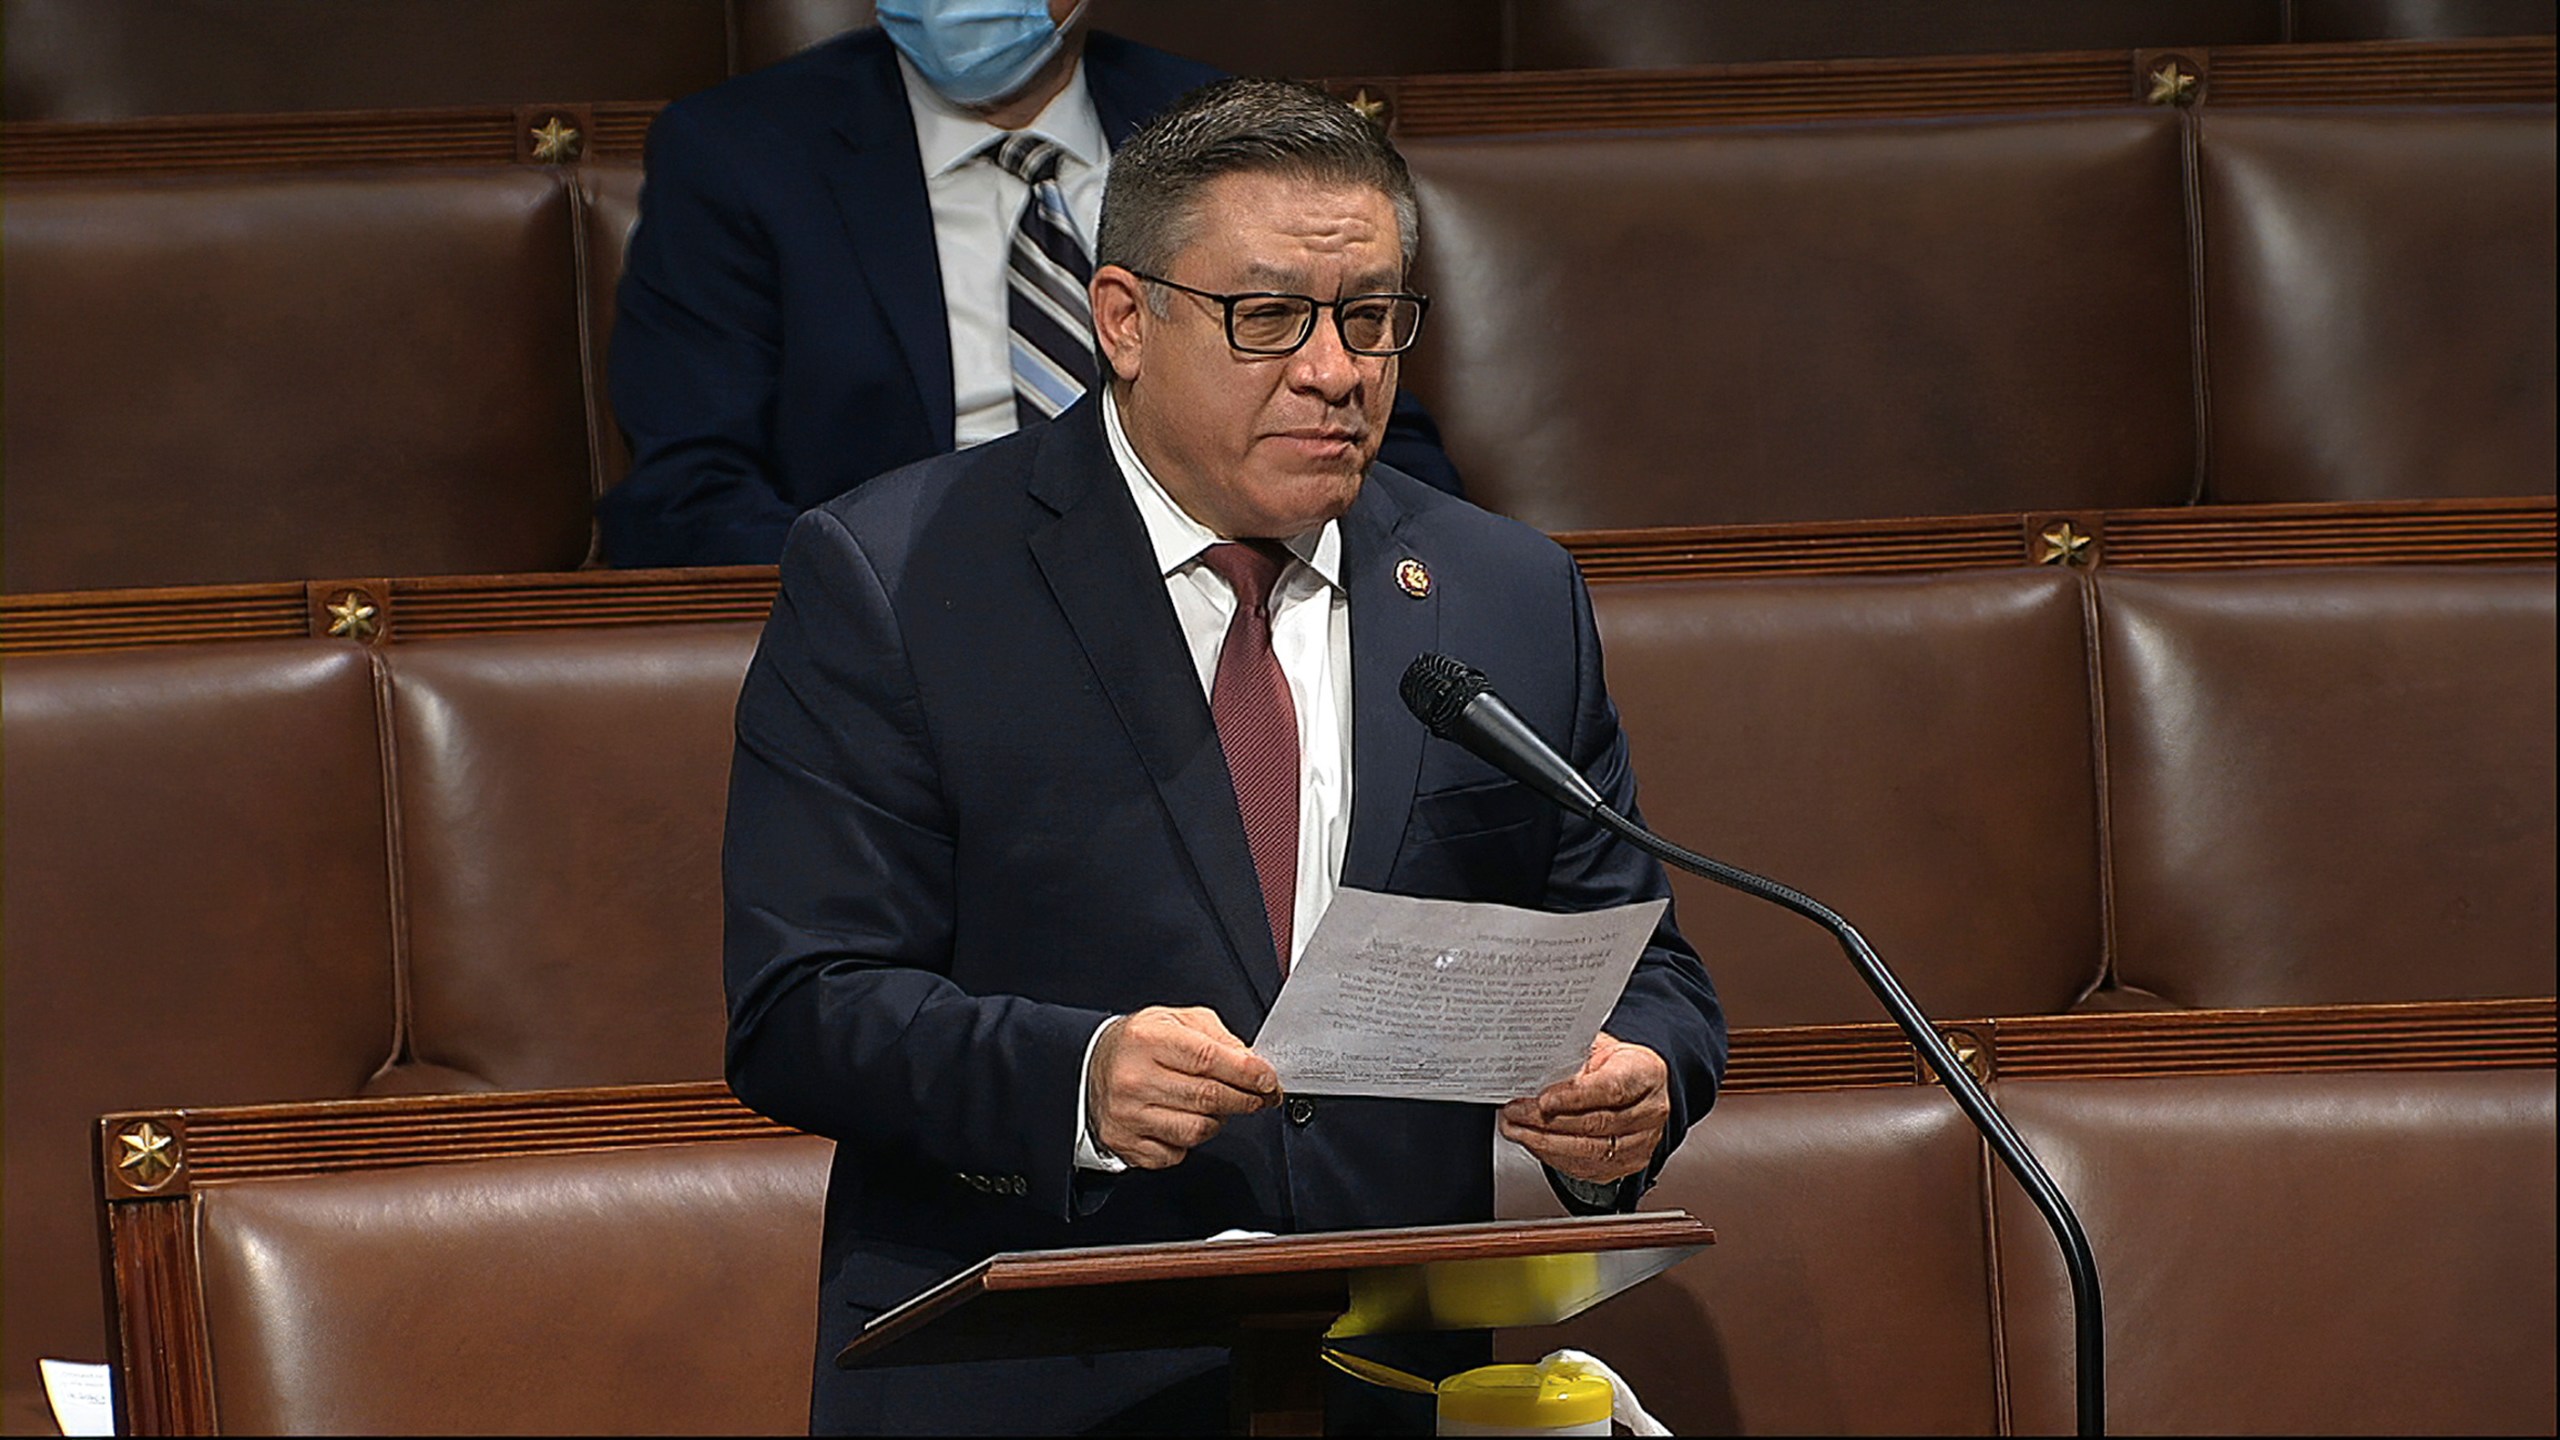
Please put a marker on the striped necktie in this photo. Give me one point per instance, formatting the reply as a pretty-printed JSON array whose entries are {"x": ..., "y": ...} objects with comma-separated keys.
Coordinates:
[{"x": 1045, "y": 275}]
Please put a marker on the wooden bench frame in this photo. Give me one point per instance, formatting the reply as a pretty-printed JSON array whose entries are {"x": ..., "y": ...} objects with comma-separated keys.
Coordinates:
[{"x": 2416, "y": 532}]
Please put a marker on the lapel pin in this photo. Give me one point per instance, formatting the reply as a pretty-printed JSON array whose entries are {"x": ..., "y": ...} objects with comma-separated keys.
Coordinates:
[{"x": 1413, "y": 578}]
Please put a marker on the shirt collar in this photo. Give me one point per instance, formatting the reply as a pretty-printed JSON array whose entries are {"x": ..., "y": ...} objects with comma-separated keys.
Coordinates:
[
  {"x": 1176, "y": 538},
  {"x": 948, "y": 137}
]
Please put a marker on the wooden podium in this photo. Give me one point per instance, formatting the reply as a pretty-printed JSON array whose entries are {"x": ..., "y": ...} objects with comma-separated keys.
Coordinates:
[{"x": 1276, "y": 1301}]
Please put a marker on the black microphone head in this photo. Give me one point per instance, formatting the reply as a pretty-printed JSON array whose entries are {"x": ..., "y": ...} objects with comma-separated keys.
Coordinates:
[{"x": 1436, "y": 689}]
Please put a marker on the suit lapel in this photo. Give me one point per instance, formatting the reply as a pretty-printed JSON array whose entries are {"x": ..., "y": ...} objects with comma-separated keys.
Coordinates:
[
  {"x": 1389, "y": 627},
  {"x": 879, "y": 191},
  {"x": 1100, "y": 568}
]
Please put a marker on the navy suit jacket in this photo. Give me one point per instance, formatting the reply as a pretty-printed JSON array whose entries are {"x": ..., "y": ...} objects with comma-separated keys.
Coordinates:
[
  {"x": 978, "y": 805},
  {"x": 780, "y": 335}
]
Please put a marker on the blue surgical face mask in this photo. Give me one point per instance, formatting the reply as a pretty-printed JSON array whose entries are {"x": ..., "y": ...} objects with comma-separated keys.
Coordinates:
[{"x": 975, "y": 52}]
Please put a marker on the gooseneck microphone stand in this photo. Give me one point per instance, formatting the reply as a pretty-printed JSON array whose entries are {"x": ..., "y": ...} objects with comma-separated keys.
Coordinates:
[
  {"x": 1455, "y": 701},
  {"x": 2089, "y": 1372}
]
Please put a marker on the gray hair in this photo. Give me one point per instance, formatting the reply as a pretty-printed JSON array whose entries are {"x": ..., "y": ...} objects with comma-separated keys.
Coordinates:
[{"x": 1245, "y": 125}]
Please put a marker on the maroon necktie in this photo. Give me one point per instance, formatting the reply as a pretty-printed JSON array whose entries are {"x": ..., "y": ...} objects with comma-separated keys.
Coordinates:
[{"x": 1258, "y": 729}]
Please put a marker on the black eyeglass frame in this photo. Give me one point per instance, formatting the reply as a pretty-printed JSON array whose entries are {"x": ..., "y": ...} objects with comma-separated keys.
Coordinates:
[{"x": 1421, "y": 310}]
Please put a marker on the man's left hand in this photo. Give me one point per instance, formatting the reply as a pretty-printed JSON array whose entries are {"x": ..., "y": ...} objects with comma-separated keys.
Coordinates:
[{"x": 1605, "y": 1122}]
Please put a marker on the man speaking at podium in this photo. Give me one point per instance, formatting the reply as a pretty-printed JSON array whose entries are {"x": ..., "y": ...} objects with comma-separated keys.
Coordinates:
[{"x": 1055, "y": 749}]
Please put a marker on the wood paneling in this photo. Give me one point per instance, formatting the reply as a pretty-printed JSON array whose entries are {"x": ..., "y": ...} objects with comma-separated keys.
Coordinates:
[
  {"x": 315, "y": 140},
  {"x": 2382, "y": 73},
  {"x": 164, "y": 1369},
  {"x": 2438, "y": 1035},
  {"x": 2450, "y": 532}
]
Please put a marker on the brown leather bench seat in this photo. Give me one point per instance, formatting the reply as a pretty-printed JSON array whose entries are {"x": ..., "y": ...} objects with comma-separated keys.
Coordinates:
[
  {"x": 2342, "y": 252},
  {"x": 1712, "y": 326},
  {"x": 301, "y": 870},
  {"x": 2308, "y": 1254},
  {"x": 1846, "y": 1293},
  {"x": 217, "y": 378},
  {"x": 198, "y": 903},
  {"x": 653, "y": 1290},
  {"x": 560, "y": 798},
  {"x": 267, "y": 369},
  {"x": 2346, "y": 1251},
  {"x": 2315, "y": 774},
  {"x": 2301, "y": 1254},
  {"x": 1810, "y": 322},
  {"x": 2199, "y": 788},
  {"x": 1914, "y": 752}
]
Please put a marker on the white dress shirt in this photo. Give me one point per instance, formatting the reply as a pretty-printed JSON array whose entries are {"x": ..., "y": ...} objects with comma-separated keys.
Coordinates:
[
  {"x": 1310, "y": 635},
  {"x": 976, "y": 205}
]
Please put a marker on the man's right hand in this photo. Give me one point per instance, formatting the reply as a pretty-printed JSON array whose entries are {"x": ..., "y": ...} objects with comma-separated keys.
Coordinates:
[{"x": 1165, "y": 1080}]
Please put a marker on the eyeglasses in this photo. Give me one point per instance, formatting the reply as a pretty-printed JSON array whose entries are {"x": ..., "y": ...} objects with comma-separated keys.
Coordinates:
[{"x": 1267, "y": 322}]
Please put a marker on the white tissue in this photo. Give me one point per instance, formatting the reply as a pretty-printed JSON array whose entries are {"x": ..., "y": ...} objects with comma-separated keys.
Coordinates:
[{"x": 1624, "y": 1407}]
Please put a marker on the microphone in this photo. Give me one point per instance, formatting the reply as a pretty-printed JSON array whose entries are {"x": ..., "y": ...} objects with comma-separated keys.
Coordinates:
[{"x": 1455, "y": 701}]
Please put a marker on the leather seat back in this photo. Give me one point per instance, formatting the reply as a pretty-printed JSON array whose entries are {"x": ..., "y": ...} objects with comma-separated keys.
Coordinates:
[
  {"x": 561, "y": 800},
  {"x": 1816, "y": 322},
  {"x": 1914, "y": 753},
  {"x": 2379, "y": 302},
  {"x": 2343, "y": 1253},
  {"x": 231, "y": 378},
  {"x": 2331, "y": 785},
  {"x": 1844, "y": 1294},
  {"x": 664, "y": 1290},
  {"x": 198, "y": 911}
]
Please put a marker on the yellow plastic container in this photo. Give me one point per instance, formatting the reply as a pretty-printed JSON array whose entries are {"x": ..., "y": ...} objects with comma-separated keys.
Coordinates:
[{"x": 1543, "y": 1399}]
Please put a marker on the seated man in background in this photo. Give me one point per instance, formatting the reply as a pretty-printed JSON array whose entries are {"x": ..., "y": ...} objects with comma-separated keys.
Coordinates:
[
  {"x": 1054, "y": 751},
  {"x": 868, "y": 254}
]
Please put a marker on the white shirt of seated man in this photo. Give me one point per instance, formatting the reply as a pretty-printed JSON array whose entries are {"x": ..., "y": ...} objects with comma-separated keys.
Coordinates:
[{"x": 976, "y": 205}]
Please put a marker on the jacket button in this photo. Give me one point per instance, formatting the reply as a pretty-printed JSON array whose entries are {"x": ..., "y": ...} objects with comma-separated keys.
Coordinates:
[{"x": 1302, "y": 1112}]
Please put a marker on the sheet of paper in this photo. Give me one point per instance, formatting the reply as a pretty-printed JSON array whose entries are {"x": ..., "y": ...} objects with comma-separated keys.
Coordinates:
[
  {"x": 1448, "y": 1000},
  {"x": 78, "y": 1393}
]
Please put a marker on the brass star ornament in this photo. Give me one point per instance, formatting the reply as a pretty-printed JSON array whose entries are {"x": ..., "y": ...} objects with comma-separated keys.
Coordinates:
[
  {"x": 555, "y": 143},
  {"x": 146, "y": 1155},
  {"x": 353, "y": 617},
  {"x": 2064, "y": 545},
  {"x": 2172, "y": 84}
]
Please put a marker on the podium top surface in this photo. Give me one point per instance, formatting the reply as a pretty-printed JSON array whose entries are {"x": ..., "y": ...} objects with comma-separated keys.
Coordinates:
[{"x": 1030, "y": 1303}]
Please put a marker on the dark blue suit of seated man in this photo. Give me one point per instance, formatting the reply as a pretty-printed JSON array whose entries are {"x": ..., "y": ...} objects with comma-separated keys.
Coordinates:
[
  {"x": 818, "y": 290},
  {"x": 1055, "y": 749}
]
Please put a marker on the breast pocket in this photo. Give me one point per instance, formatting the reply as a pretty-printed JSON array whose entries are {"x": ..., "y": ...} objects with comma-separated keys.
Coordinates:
[
  {"x": 1470, "y": 810},
  {"x": 1486, "y": 841}
]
